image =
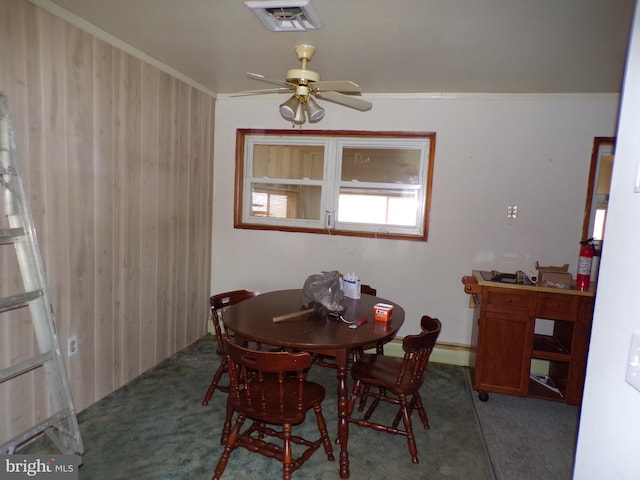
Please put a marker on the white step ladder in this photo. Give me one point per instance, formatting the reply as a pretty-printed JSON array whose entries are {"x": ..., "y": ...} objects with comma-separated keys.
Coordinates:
[{"x": 62, "y": 424}]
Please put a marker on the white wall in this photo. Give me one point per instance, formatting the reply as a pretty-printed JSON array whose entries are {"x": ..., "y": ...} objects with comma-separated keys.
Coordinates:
[
  {"x": 491, "y": 151},
  {"x": 610, "y": 420}
]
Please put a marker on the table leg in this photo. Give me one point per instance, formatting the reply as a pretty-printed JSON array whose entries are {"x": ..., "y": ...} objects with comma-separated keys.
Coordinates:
[{"x": 343, "y": 424}]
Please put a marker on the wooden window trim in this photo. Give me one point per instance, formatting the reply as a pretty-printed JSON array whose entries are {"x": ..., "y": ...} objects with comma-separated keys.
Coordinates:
[{"x": 241, "y": 135}]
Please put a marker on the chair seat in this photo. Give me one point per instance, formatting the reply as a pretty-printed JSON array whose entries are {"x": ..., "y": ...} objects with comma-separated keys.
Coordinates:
[
  {"x": 381, "y": 371},
  {"x": 264, "y": 402}
]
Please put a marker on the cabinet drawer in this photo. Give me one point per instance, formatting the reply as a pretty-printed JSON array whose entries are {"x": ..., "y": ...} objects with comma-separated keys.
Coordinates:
[
  {"x": 556, "y": 306},
  {"x": 508, "y": 300}
]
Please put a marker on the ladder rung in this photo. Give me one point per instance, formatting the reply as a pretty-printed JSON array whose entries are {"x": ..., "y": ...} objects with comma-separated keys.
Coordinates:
[
  {"x": 17, "y": 301},
  {"x": 8, "y": 170},
  {"x": 24, "y": 367},
  {"x": 10, "y": 235},
  {"x": 53, "y": 420}
]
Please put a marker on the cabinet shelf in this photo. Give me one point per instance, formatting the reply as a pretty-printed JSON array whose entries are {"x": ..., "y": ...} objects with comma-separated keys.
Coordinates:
[
  {"x": 548, "y": 343},
  {"x": 555, "y": 357},
  {"x": 549, "y": 348}
]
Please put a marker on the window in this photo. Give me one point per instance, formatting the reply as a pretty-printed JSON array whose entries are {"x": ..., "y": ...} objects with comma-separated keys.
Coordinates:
[
  {"x": 602, "y": 159},
  {"x": 350, "y": 183}
]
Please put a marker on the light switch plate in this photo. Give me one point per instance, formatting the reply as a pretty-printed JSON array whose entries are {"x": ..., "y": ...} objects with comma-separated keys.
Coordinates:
[{"x": 633, "y": 362}]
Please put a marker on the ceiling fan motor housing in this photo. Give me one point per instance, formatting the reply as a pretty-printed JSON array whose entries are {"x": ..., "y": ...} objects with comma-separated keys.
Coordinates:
[{"x": 299, "y": 75}]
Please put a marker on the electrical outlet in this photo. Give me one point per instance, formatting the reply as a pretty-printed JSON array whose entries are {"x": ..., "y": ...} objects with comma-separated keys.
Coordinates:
[
  {"x": 72, "y": 346},
  {"x": 512, "y": 212}
]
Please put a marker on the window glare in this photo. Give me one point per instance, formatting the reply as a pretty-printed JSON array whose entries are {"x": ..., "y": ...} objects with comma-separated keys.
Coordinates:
[
  {"x": 402, "y": 211},
  {"x": 598, "y": 223},
  {"x": 380, "y": 209}
]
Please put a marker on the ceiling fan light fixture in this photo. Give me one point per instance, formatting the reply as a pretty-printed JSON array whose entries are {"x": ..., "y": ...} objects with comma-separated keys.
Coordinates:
[
  {"x": 315, "y": 112},
  {"x": 289, "y": 109},
  {"x": 286, "y": 15},
  {"x": 299, "y": 117}
]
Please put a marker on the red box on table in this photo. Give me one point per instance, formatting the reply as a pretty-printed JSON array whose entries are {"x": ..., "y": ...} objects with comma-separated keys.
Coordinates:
[{"x": 382, "y": 312}]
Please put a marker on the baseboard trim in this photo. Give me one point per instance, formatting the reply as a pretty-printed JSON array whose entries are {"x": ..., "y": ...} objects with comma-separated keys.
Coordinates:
[{"x": 449, "y": 353}]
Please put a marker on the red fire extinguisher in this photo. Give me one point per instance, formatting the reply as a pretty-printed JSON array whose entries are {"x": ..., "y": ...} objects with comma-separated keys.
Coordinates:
[{"x": 583, "y": 277}]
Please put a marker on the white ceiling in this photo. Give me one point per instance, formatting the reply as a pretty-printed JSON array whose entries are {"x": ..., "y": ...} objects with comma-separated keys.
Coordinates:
[{"x": 386, "y": 46}]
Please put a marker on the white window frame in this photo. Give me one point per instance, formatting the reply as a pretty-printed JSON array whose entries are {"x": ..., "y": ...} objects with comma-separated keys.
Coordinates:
[
  {"x": 249, "y": 179},
  {"x": 334, "y": 142}
]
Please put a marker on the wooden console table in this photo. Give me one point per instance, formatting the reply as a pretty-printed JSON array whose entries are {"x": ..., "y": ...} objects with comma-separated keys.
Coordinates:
[{"x": 529, "y": 340}]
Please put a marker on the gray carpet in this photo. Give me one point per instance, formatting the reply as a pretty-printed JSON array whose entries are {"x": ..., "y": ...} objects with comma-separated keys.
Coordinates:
[
  {"x": 528, "y": 438},
  {"x": 155, "y": 428}
]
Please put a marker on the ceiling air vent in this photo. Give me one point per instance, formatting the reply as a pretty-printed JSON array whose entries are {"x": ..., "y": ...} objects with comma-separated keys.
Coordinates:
[{"x": 286, "y": 15}]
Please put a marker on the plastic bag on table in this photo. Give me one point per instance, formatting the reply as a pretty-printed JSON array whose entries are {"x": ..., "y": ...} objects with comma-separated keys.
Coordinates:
[{"x": 324, "y": 288}]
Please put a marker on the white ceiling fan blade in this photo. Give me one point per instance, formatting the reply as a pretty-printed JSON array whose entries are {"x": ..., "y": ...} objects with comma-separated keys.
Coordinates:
[
  {"x": 346, "y": 100},
  {"x": 275, "y": 81},
  {"x": 345, "y": 86},
  {"x": 261, "y": 91}
]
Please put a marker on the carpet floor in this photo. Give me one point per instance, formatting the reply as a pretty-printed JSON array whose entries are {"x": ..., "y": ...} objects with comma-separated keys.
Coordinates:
[
  {"x": 528, "y": 438},
  {"x": 155, "y": 428}
]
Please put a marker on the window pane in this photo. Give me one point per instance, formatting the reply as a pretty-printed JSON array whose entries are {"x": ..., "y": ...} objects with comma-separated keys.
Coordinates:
[
  {"x": 598, "y": 223},
  {"x": 285, "y": 201},
  {"x": 378, "y": 207},
  {"x": 381, "y": 165},
  {"x": 288, "y": 161}
]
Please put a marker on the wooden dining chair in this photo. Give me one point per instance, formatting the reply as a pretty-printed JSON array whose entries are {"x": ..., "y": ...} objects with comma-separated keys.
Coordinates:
[
  {"x": 271, "y": 390},
  {"x": 217, "y": 304},
  {"x": 368, "y": 290},
  {"x": 395, "y": 381}
]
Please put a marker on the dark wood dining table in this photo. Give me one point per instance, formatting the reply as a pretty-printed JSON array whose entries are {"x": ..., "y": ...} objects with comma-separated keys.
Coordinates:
[{"x": 315, "y": 333}]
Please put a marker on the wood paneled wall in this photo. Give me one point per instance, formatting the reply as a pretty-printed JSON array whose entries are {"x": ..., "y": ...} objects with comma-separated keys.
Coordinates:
[{"x": 117, "y": 158}]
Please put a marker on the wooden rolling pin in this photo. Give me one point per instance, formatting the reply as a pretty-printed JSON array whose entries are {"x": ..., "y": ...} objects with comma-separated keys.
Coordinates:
[{"x": 314, "y": 307}]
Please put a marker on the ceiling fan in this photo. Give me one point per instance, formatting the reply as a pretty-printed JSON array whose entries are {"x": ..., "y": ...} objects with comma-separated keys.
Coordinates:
[{"x": 305, "y": 85}]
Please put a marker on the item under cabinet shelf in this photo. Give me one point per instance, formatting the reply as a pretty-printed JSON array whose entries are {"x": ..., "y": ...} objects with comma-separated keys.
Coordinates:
[{"x": 544, "y": 386}]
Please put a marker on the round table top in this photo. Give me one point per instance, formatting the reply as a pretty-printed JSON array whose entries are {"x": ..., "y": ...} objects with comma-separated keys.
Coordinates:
[{"x": 253, "y": 319}]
